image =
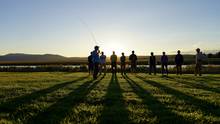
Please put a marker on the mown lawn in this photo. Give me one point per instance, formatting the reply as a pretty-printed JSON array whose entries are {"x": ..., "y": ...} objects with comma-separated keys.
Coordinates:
[{"x": 60, "y": 97}]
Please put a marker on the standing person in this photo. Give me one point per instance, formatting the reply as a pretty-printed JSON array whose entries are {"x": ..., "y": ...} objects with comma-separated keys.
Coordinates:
[
  {"x": 113, "y": 59},
  {"x": 164, "y": 63},
  {"x": 103, "y": 63},
  {"x": 90, "y": 63},
  {"x": 122, "y": 59},
  {"x": 96, "y": 61},
  {"x": 199, "y": 58},
  {"x": 152, "y": 63},
  {"x": 133, "y": 61},
  {"x": 179, "y": 63}
]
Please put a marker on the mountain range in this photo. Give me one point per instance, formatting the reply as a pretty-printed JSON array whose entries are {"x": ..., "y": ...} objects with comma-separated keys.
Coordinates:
[{"x": 21, "y": 57}]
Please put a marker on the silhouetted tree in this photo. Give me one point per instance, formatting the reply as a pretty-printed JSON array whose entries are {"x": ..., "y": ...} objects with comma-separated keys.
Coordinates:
[
  {"x": 210, "y": 55},
  {"x": 218, "y": 54}
]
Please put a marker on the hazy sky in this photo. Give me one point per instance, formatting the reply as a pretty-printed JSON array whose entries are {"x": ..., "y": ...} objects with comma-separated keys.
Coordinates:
[{"x": 65, "y": 27}]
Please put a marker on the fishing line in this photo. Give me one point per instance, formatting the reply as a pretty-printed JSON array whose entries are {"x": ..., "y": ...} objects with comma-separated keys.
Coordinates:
[{"x": 89, "y": 31}]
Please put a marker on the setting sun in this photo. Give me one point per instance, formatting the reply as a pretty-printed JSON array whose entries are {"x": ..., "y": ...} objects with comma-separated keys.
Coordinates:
[{"x": 109, "y": 47}]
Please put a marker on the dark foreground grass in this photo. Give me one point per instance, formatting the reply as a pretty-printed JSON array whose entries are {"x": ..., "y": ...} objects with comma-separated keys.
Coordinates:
[{"x": 57, "y": 97}]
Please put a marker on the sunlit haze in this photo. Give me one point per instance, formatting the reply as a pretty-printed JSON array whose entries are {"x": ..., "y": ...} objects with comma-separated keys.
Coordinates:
[{"x": 74, "y": 27}]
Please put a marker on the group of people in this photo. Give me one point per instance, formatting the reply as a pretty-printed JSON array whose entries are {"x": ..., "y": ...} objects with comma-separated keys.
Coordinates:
[
  {"x": 97, "y": 63},
  {"x": 164, "y": 63}
]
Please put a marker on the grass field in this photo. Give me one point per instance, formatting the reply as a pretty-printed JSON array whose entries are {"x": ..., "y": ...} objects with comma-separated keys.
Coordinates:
[{"x": 60, "y": 97}]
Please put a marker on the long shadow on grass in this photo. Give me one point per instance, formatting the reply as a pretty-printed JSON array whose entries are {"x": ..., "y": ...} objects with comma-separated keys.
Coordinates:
[
  {"x": 13, "y": 104},
  {"x": 114, "y": 111},
  {"x": 58, "y": 111},
  {"x": 163, "y": 114},
  {"x": 206, "y": 107},
  {"x": 195, "y": 85},
  {"x": 203, "y": 78}
]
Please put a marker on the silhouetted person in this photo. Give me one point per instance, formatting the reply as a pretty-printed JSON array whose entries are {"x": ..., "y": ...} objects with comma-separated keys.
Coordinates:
[
  {"x": 96, "y": 61},
  {"x": 90, "y": 63},
  {"x": 103, "y": 63},
  {"x": 152, "y": 64},
  {"x": 122, "y": 60},
  {"x": 133, "y": 62},
  {"x": 164, "y": 63},
  {"x": 179, "y": 62},
  {"x": 199, "y": 58},
  {"x": 113, "y": 59}
]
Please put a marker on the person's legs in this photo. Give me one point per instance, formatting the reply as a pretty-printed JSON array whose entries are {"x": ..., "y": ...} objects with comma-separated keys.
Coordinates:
[
  {"x": 135, "y": 67},
  {"x": 150, "y": 69},
  {"x": 104, "y": 65},
  {"x": 122, "y": 68},
  {"x": 196, "y": 69},
  {"x": 162, "y": 69},
  {"x": 177, "y": 69},
  {"x": 166, "y": 69},
  {"x": 100, "y": 69},
  {"x": 154, "y": 68},
  {"x": 132, "y": 68},
  {"x": 115, "y": 67},
  {"x": 112, "y": 67},
  {"x": 200, "y": 69},
  {"x": 96, "y": 70},
  {"x": 103, "y": 68},
  {"x": 180, "y": 69}
]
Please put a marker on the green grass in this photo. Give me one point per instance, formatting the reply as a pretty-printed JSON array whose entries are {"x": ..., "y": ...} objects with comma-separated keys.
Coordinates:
[{"x": 59, "y": 97}]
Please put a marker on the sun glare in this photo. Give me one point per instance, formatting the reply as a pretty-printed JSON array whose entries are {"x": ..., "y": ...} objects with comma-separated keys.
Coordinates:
[{"x": 108, "y": 48}]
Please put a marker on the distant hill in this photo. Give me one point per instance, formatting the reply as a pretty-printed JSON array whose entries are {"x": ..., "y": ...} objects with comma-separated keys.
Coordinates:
[
  {"x": 20, "y": 57},
  {"x": 31, "y": 57}
]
